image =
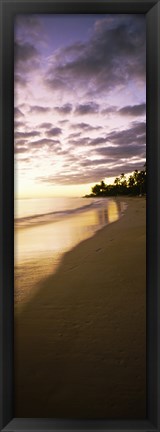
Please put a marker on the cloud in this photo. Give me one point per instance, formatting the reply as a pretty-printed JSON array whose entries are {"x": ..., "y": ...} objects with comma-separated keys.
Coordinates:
[
  {"x": 18, "y": 124},
  {"x": 93, "y": 174},
  {"x": 28, "y": 26},
  {"x": 133, "y": 111},
  {"x": 45, "y": 125},
  {"x": 121, "y": 148},
  {"x": 24, "y": 52},
  {"x": 22, "y": 146},
  {"x": 20, "y": 150},
  {"x": 20, "y": 142},
  {"x": 109, "y": 110},
  {"x": 27, "y": 159},
  {"x": 82, "y": 126},
  {"x": 19, "y": 80},
  {"x": 86, "y": 141},
  {"x": 54, "y": 132},
  {"x": 44, "y": 142},
  {"x": 135, "y": 134},
  {"x": 26, "y": 61},
  {"x": 64, "y": 109},
  {"x": 85, "y": 126},
  {"x": 20, "y": 135},
  {"x": 96, "y": 162},
  {"x": 123, "y": 152},
  {"x": 54, "y": 83},
  {"x": 112, "y": 56},
  {"x": 18, "y": 113},
  {"x": 63, "y": 121},
  {"x": 89, "y": 108},
  {"x": 74, "y": 135},
  {"x": 49, "y": 144},
  {"x": 97, "y": 141},
  {"x": 79, "y": 142},
  {"x": 35, "y": 109}
]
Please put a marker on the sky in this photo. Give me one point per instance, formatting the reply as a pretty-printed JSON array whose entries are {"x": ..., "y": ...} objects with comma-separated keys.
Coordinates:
[{"x": 79, "y": 101}]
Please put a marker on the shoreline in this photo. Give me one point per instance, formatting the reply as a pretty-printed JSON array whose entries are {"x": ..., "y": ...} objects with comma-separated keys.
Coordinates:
[
  {"x": 82, "y": 336},
  {"x": 34, "y": 265},
  {"x": 78, "y": 211}
]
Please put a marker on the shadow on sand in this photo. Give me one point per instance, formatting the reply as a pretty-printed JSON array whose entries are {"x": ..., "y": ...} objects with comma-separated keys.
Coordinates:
[{"x": 80, "y": 341}]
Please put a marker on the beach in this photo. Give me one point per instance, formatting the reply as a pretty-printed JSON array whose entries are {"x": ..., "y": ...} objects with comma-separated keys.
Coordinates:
[{"x": 80, "y": 341}]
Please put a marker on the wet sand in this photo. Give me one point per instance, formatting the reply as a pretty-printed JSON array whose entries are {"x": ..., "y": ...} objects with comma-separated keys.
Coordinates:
[{"x": 80, "y": 343}]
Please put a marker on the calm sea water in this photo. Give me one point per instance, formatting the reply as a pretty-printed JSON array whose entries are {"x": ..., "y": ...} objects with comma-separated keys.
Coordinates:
[
  {"x": 29, "y": 212},
  {"x": 47, "y": 228}
]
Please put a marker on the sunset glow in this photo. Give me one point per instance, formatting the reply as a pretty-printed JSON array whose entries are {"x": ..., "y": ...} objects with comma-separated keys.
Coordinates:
[{"x": 80, "y": 94}]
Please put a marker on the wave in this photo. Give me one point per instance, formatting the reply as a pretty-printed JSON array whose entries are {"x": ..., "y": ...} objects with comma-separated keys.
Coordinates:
[{"x": 54, "y": 215}]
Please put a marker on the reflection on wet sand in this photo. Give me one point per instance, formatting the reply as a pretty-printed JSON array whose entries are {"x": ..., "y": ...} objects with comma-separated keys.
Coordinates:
[
  {"x": 80, "y": 333},
  {"x": 39, "y": 249}
]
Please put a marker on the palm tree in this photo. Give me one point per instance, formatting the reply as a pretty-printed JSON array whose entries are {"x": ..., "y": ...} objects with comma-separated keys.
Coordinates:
[
  {"x": 131, "y": 181},
  {"x": 102, "y": 187},
  {"x": 117, "y": 181},
  {"x": 136, "y": 184},
  {"x": 96, "y": 189}
]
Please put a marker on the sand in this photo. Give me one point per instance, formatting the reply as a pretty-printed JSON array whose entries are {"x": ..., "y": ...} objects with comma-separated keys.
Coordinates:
[{"x": 80, "y": 344}]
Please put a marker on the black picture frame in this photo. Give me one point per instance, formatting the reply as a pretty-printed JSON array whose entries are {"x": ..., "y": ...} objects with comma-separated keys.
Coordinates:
[{"x": 8, "y": 9}]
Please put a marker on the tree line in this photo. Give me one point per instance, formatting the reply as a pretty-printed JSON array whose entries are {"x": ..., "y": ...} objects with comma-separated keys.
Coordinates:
[{"x": 134, "y": 185}]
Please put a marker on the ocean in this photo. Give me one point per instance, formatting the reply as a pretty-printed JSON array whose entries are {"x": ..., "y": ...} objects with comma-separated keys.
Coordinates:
[
  {"x": 47, "y": 228},
  {"x": 29, "y": 212}
]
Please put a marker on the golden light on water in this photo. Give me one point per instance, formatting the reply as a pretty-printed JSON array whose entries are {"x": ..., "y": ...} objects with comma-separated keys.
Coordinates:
[
  {"x": 113, "y": 212},
  {"x": 59, "y": 236},
  {"x": 40, "y": 248},
  {"x": 54, "y": 237}
]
